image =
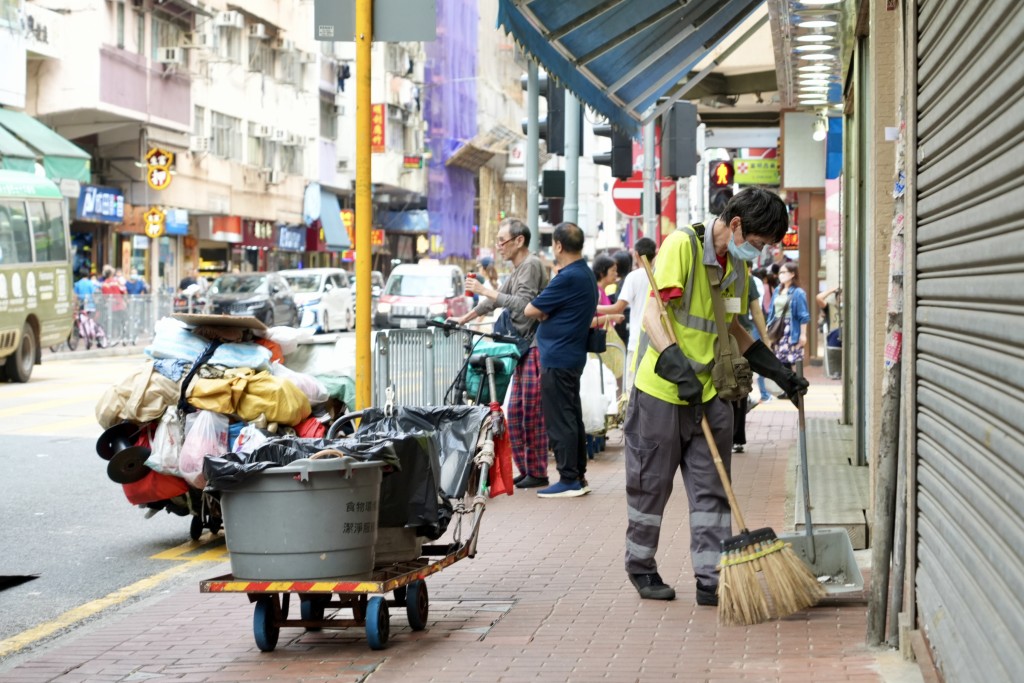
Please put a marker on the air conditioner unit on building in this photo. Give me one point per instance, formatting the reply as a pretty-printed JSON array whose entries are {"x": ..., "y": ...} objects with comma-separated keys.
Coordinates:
[
  {"x": 258, "y": 31},
  {"x": 262, "y": 130},
  {"x": 343, "y": 163},
  {"x": 199, "y": 143},
  {"x": 274, "y": 176},
  {"x": 284, "y": 44},
  {"x": 169, "y": 55},
  {"x": 229, "y": 20},
  {"x": 280, "y": 135},
  {"x": 307, "y": 57},
  {"x": 293, "y": 140}
]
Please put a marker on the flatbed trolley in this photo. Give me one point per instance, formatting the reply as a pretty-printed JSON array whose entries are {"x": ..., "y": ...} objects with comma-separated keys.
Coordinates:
[{"x": 365, "y": 596}]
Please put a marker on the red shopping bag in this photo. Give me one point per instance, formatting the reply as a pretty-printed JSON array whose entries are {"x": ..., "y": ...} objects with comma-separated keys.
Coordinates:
[
  {"x": 154, "y": 487},
  {"x": 500, "y": 475}
]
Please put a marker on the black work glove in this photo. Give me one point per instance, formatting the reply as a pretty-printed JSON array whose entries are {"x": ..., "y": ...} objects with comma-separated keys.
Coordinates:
[
  {"x": 673, "y": 366},
  {"x": 763, "y": 362}
]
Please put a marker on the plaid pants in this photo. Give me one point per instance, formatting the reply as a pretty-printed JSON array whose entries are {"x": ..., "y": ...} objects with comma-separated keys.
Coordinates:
[{"x": 526, "y": 419}]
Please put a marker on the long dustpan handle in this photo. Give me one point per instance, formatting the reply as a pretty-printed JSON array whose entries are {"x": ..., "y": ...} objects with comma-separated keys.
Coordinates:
[
  {"x": 808, "y": 526},
  {"x": 722, "y": 474}
]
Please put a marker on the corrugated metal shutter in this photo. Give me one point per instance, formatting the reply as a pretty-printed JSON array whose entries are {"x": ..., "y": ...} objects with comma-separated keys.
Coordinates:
[{"x": 970, "y": 336}]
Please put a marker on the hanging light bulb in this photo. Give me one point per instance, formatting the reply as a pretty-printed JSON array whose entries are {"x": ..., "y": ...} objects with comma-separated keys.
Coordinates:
[{"x": 820, "y": 128}]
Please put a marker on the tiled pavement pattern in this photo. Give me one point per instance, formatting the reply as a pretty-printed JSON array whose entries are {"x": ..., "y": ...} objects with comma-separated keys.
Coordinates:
[{"x": 546, "y": 599}]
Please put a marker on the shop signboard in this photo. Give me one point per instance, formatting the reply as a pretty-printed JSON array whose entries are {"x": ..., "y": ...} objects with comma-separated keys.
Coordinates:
[
  {"x": 226, "y": 229},
  {"x": 291, "y": 238},
  {"x": 175, "y": 222},
  {"x": 756, "y": 171},
  {"x": 154, "y": 221},
  {"x": 100, "y": 204},
  {"x": 378, "y": 127},
  {"x": 257, "y": 233}
]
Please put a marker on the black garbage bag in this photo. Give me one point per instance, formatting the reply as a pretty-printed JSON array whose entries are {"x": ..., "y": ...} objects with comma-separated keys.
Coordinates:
[
  {"x": 457, "y": 427},
  {"x": 227, "y": 472}
]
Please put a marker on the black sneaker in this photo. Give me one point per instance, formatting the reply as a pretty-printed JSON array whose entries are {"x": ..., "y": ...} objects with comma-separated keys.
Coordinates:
[
  {"x": 529, "y": 482},
  {"x": 707, "y": 595},
  {"x": 651, "y": 587},
  {"x": 518, "y": 478}
]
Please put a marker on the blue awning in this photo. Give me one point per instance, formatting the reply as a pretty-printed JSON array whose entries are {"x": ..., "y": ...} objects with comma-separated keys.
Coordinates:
[
  {"x": 621, "y": 56},
  {"x": 335, "y": 234}
]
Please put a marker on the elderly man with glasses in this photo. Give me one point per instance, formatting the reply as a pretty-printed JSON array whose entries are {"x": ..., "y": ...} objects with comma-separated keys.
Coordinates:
[{"x": 525, "y": 416}]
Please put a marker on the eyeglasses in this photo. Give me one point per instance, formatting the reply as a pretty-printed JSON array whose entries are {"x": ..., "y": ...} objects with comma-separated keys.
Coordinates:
[{"x": 501, "y": 243}]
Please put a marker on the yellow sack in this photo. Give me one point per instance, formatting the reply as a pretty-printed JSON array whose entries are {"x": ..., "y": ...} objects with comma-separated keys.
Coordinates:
[
  {"x": 277, "y": 398},
  {"x": 142, "y": 397},
  {"x": 249, "y": 394},
  {"x": 220, "y": 395}
]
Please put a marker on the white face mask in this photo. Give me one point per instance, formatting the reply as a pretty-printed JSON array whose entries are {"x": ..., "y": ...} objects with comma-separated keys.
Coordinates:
[{"x": 785, "y": 276}]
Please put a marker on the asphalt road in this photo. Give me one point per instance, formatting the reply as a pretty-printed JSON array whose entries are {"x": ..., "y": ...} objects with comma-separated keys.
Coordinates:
[{"x": 64, "y": 520}]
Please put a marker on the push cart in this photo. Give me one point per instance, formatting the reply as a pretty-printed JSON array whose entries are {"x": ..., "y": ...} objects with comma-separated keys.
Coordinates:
[{"x": 321, "y": 600}]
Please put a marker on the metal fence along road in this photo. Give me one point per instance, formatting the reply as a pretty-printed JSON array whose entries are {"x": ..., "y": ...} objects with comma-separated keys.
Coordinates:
[{"x": 418, "y": 365}]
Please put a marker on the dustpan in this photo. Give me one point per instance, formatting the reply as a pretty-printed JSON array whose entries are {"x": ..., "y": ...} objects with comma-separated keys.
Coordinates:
[{"x": 828, "y": 552}]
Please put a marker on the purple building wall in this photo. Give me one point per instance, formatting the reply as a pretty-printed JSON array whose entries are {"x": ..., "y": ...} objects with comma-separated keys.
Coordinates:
[
  {"x": 450, "y": 112},
  {"x": 123, "y": 82}
]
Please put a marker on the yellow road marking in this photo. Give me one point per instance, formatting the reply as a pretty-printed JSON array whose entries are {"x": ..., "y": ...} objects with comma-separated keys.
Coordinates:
[
  {"x": 40, "y": 406},
  {"x": 181, "y": 552},
  {"x": 17, "y": 642},
  {"x": 52, "y": 427}
]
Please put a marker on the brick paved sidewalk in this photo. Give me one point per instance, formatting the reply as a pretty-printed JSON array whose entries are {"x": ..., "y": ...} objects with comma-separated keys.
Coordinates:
[{"x": 546, "y": 599}]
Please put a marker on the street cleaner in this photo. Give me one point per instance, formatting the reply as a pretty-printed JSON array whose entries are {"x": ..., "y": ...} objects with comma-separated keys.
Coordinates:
[{"x": 698, "y": 272}]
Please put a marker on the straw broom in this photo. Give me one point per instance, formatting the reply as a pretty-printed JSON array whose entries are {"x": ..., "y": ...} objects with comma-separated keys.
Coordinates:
[{"x": 760, "y": 577}]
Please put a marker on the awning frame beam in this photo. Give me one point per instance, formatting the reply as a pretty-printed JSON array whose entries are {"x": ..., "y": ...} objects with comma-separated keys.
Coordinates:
[
  {"x": 636, "y": 29},
  {"x": 582, "y": 19}
]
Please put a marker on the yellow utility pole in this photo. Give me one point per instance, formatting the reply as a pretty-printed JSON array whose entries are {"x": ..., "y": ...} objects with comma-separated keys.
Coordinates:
[{"x": 364, "y": 207}]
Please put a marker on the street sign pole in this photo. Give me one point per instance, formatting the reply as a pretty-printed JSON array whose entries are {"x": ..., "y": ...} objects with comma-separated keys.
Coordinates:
[
  {"x": 571, "y": 212},
  {"x": 364, "y": 208},
  {"x": 651, "y": 185},
  {"x": 532, "y": 154}
]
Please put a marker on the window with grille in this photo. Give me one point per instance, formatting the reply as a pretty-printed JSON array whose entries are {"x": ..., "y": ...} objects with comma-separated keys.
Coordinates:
[
  {"x": 165, "y": 34},
  {"x": 261, "y": 57},
  {"x": 226, "y": 136},
  {"x": 291, "y": 159},
  {"x": 199, "y": 121},
  {"x": 229, "y": 44},
  {"x": 289, "y": 69}
]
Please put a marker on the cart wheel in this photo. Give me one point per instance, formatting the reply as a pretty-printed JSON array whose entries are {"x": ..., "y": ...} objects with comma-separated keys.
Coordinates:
[
  {"x": 417, "y": 605},
  {"x": 378, "y": 623},
  {"x": 311, "y": 608},
  {"x": 263, "y": 628},
  {"x": 196, "y": 530}
]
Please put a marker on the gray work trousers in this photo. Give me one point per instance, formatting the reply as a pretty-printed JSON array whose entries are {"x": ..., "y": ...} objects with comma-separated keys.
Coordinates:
[{"x": 662, "y": 438}]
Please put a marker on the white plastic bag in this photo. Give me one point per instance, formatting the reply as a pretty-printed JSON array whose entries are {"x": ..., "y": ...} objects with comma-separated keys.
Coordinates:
[
  {"x": 208, "y": 436},
  {"x": 288, "y": 338},
  {"x": 313, "y": 388},
  {"x": 249, "y": 439},
  {"x": 591, "y": 398},
  {"x": 166, "y": 445}
]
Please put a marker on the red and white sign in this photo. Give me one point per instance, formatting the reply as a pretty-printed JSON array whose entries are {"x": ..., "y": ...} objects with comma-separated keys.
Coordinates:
[{"x": 627, "y": 196}]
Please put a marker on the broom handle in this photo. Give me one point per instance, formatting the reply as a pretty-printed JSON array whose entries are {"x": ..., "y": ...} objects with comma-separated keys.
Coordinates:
[
  {"x": 722, "y": 474},
  {"x": 705, "y": 425}
]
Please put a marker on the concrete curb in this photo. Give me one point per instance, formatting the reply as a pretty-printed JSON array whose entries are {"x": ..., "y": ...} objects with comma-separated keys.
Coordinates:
[{"x": 93, "y": 353}]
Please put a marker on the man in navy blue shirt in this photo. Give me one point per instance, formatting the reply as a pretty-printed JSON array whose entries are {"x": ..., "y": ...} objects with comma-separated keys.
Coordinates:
[{"x": 566, "y": 309}]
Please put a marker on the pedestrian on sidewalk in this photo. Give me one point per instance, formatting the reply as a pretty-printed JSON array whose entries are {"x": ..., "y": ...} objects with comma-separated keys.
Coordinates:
[
  {"x": 741, "y": 407},
  {"x": 525, "y": 415},
  {"x": 631, "y": 298},
  {"x": 135, "y": 284},
  {"x": 767, "y": 282},
  {"x": 789, "y": 302},
  {"x": 565, "y": 310},
  {"x": 663, "y": 425}
]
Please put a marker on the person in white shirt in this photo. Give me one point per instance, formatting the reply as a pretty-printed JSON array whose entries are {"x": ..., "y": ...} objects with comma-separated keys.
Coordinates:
[{"x": 632, "y": 296}]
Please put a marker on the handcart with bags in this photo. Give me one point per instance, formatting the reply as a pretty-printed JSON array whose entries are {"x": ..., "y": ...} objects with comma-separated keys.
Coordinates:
[{"x": 431, "y": 469}]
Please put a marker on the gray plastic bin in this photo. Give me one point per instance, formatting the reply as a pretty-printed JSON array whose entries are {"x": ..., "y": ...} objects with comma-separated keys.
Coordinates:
[{"x": 313, "y": 519}]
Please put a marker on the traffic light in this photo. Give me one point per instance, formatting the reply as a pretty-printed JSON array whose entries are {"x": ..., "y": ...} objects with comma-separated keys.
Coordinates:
[
  {"x": 550, "y": 209},
  {"x": 551, "y": 125},
  {"x": 721, "y": 174},
  {"x": 679, "y": 141},
  {"x": 621, "y": 156}
]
